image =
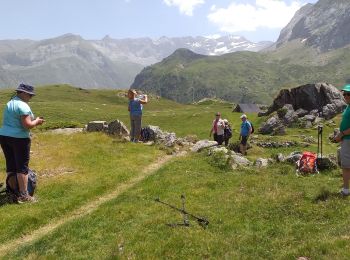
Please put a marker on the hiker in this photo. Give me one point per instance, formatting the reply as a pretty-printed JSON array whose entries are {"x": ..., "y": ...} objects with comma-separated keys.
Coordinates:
[
  {"x": 217, "y": 128},
  {"x": 15, "y": 140},
  {"x": 246, "y": 130},
  {"x": 227, "y": 132},
  {"x": 135, "y": 109},
  {"x": 344, "y": 137}
]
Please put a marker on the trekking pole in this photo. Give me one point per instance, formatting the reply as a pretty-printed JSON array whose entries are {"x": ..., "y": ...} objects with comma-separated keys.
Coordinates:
[
  {"x": 201, "y": 221},
  {"x": 319, "y": 140},
  {"x": 185, "y": 217}
]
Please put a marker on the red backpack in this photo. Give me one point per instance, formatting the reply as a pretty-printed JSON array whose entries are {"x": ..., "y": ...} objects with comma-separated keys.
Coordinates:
[{"x": 307, "y": 164}]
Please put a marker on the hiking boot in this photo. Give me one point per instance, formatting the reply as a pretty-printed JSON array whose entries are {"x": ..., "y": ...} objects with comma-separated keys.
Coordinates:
[{"x": 26, "y": 199}]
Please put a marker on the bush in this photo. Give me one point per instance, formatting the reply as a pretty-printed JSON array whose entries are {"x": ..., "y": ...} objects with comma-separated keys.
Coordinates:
[
  {"x": 220, "y": 160},
  {"x": 282, "y": 112}
]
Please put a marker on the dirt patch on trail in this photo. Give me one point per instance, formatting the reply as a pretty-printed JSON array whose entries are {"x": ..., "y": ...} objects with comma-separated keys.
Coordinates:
[
  {"x": 85, "y": 209},
  {"x": 66, "y": 131}
]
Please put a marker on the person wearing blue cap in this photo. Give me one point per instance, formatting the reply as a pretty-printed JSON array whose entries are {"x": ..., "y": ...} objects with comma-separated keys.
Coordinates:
[
  {"x": 18, "y": 118},
  {"x": 246, "y": 130},
  {"x": 344, "y": 138}
]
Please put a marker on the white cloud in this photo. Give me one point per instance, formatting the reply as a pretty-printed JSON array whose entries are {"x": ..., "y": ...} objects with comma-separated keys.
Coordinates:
[
  {"x": 185, "y": 6},
  {"x": 271, "y": 14}
]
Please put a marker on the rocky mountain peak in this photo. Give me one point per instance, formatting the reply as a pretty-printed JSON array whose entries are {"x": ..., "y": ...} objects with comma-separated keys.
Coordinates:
[{"x": 324, "y": 25}]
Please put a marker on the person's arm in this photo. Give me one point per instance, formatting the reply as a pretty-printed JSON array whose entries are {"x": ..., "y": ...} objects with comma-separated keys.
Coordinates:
[
  {"x": 28, "y": 123},
  {"x": 211, "y": 130},
  {"x": 144, "y": 100},
  {"x": 341, "y": 134}
]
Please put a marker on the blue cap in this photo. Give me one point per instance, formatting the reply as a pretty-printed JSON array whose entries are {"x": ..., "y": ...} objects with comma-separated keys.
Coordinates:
[{"x": 26, "y": 88}]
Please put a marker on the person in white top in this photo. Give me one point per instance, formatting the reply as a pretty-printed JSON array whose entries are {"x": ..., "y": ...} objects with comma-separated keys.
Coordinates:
[{"x": 217, "y": 128}]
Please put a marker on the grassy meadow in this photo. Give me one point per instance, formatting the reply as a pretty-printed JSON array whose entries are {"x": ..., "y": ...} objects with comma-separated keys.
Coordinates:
[{"x": 254, "y": 213}]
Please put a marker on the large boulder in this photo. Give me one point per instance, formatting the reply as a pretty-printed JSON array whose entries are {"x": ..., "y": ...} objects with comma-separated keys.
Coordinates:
[
  {"x": 202, "y": 144},
  {"x": 96, "y": 126},
  {"x": 323, "y": 97},
  {"x": 272, "y": 126},
  {"x": 117, "y": 128}
]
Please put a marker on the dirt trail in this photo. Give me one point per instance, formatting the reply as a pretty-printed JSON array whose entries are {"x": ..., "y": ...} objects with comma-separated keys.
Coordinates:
[{"x": 85, "y": 209}]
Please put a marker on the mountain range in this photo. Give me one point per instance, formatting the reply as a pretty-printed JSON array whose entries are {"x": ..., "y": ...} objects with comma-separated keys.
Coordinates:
[
  {"x": 106, "y": 63},
  {"x": 313, "y": 47}
]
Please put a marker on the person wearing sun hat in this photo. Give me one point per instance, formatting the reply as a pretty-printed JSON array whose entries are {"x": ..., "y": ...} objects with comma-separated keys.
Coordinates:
[
  {"x": 344, "y": 138},
  {"x": 15, "y": 141}
]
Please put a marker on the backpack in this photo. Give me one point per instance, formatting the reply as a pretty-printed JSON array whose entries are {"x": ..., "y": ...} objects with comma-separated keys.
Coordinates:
[
  {"x": 145, "y": 136},
  {"x": 307, "y": 163},
  {"x": 14, "y": 191},
  {"x": 251, "y": 124},
  {"x": 228, "y": 132}
]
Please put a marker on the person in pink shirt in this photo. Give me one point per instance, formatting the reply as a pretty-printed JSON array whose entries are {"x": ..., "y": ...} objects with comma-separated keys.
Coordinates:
[{"x": 217, "y": 128}]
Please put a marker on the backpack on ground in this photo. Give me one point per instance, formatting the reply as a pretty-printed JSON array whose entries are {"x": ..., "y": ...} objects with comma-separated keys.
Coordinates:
[
  {"x": 145, "y": 135},
  {"x": 13, "y": 191},
  {"x": 307, "y": 163}
]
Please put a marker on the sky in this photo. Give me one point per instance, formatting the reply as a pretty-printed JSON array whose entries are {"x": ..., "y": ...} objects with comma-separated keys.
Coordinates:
[{"x": 256, "y": 20}]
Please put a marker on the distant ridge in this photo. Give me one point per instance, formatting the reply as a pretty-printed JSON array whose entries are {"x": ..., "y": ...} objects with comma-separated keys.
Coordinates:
[{"x": 106, "y": 63}]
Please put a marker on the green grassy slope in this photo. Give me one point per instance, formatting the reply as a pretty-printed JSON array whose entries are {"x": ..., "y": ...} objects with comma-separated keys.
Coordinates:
[
  {"x": 254, "y": 213},
  {"x": 243, "y": 77}
]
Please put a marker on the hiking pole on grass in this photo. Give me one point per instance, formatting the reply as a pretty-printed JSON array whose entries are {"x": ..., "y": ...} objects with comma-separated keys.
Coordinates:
[
  {"x": 319, "y": 140},
  {"x": 201, "y": 221}
]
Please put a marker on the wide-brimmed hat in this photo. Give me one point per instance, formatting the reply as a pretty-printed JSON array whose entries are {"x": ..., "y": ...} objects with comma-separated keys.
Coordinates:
[
  {"x": 26, "y": 88},
  {"x": 346, "y": 88},
  {"x": 244, "y": 115}
]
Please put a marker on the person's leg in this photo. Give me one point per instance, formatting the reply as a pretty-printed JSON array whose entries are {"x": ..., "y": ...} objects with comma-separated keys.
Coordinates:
[
  {"x": 215, "y": 137},
  {"x": 345, "y": 165},
  {"x": 243, "y": 145},
  {"x": 22, "y": 155},
  {"x": 346, "y": 179},
  {"x": 220, "y": 139},
  {"x": 11, "y": 181},
  {"x": 138, "y": 123},
  {"x": 132, "y": 128}
]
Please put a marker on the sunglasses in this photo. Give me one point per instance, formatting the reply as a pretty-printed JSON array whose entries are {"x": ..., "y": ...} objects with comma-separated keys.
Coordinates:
[{"x": 346, "y": 94}]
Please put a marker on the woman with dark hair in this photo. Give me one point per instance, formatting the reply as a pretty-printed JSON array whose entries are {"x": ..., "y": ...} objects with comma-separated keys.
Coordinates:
[{"x": 15, "y": 140}]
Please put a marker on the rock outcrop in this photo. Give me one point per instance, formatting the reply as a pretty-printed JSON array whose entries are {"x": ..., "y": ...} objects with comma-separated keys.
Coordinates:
[
  {"x": 323, "y": 97},
  {"x": 305, "y": 106}
]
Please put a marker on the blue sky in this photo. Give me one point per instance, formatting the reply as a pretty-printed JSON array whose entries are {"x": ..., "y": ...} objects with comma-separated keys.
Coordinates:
[{"x": 257, "y": 20}]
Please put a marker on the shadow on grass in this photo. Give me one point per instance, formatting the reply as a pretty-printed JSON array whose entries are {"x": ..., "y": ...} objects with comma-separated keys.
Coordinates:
[
  {"x": 325, "y": 195},
  {"x": 3, "y": 196}
]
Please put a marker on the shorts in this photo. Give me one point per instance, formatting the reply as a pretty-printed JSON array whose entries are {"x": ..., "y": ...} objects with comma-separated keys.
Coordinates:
[
  {"x": 17, "y": 152},
  {"x": 244, "y": 140},
  {"x": 219, "y": 138},
  {"x": 345, "y": 154}
]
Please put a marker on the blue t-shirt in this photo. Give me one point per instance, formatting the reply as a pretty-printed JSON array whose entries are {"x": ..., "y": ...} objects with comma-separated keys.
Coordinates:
[
  {"x": 245, "y": 126},
  {"x": 135, "y": 107},
  {"x": 12, "y": 124}
]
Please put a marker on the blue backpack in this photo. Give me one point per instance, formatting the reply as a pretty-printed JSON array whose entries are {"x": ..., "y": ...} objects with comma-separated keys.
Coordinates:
[{"x": 32, "y": 181}]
